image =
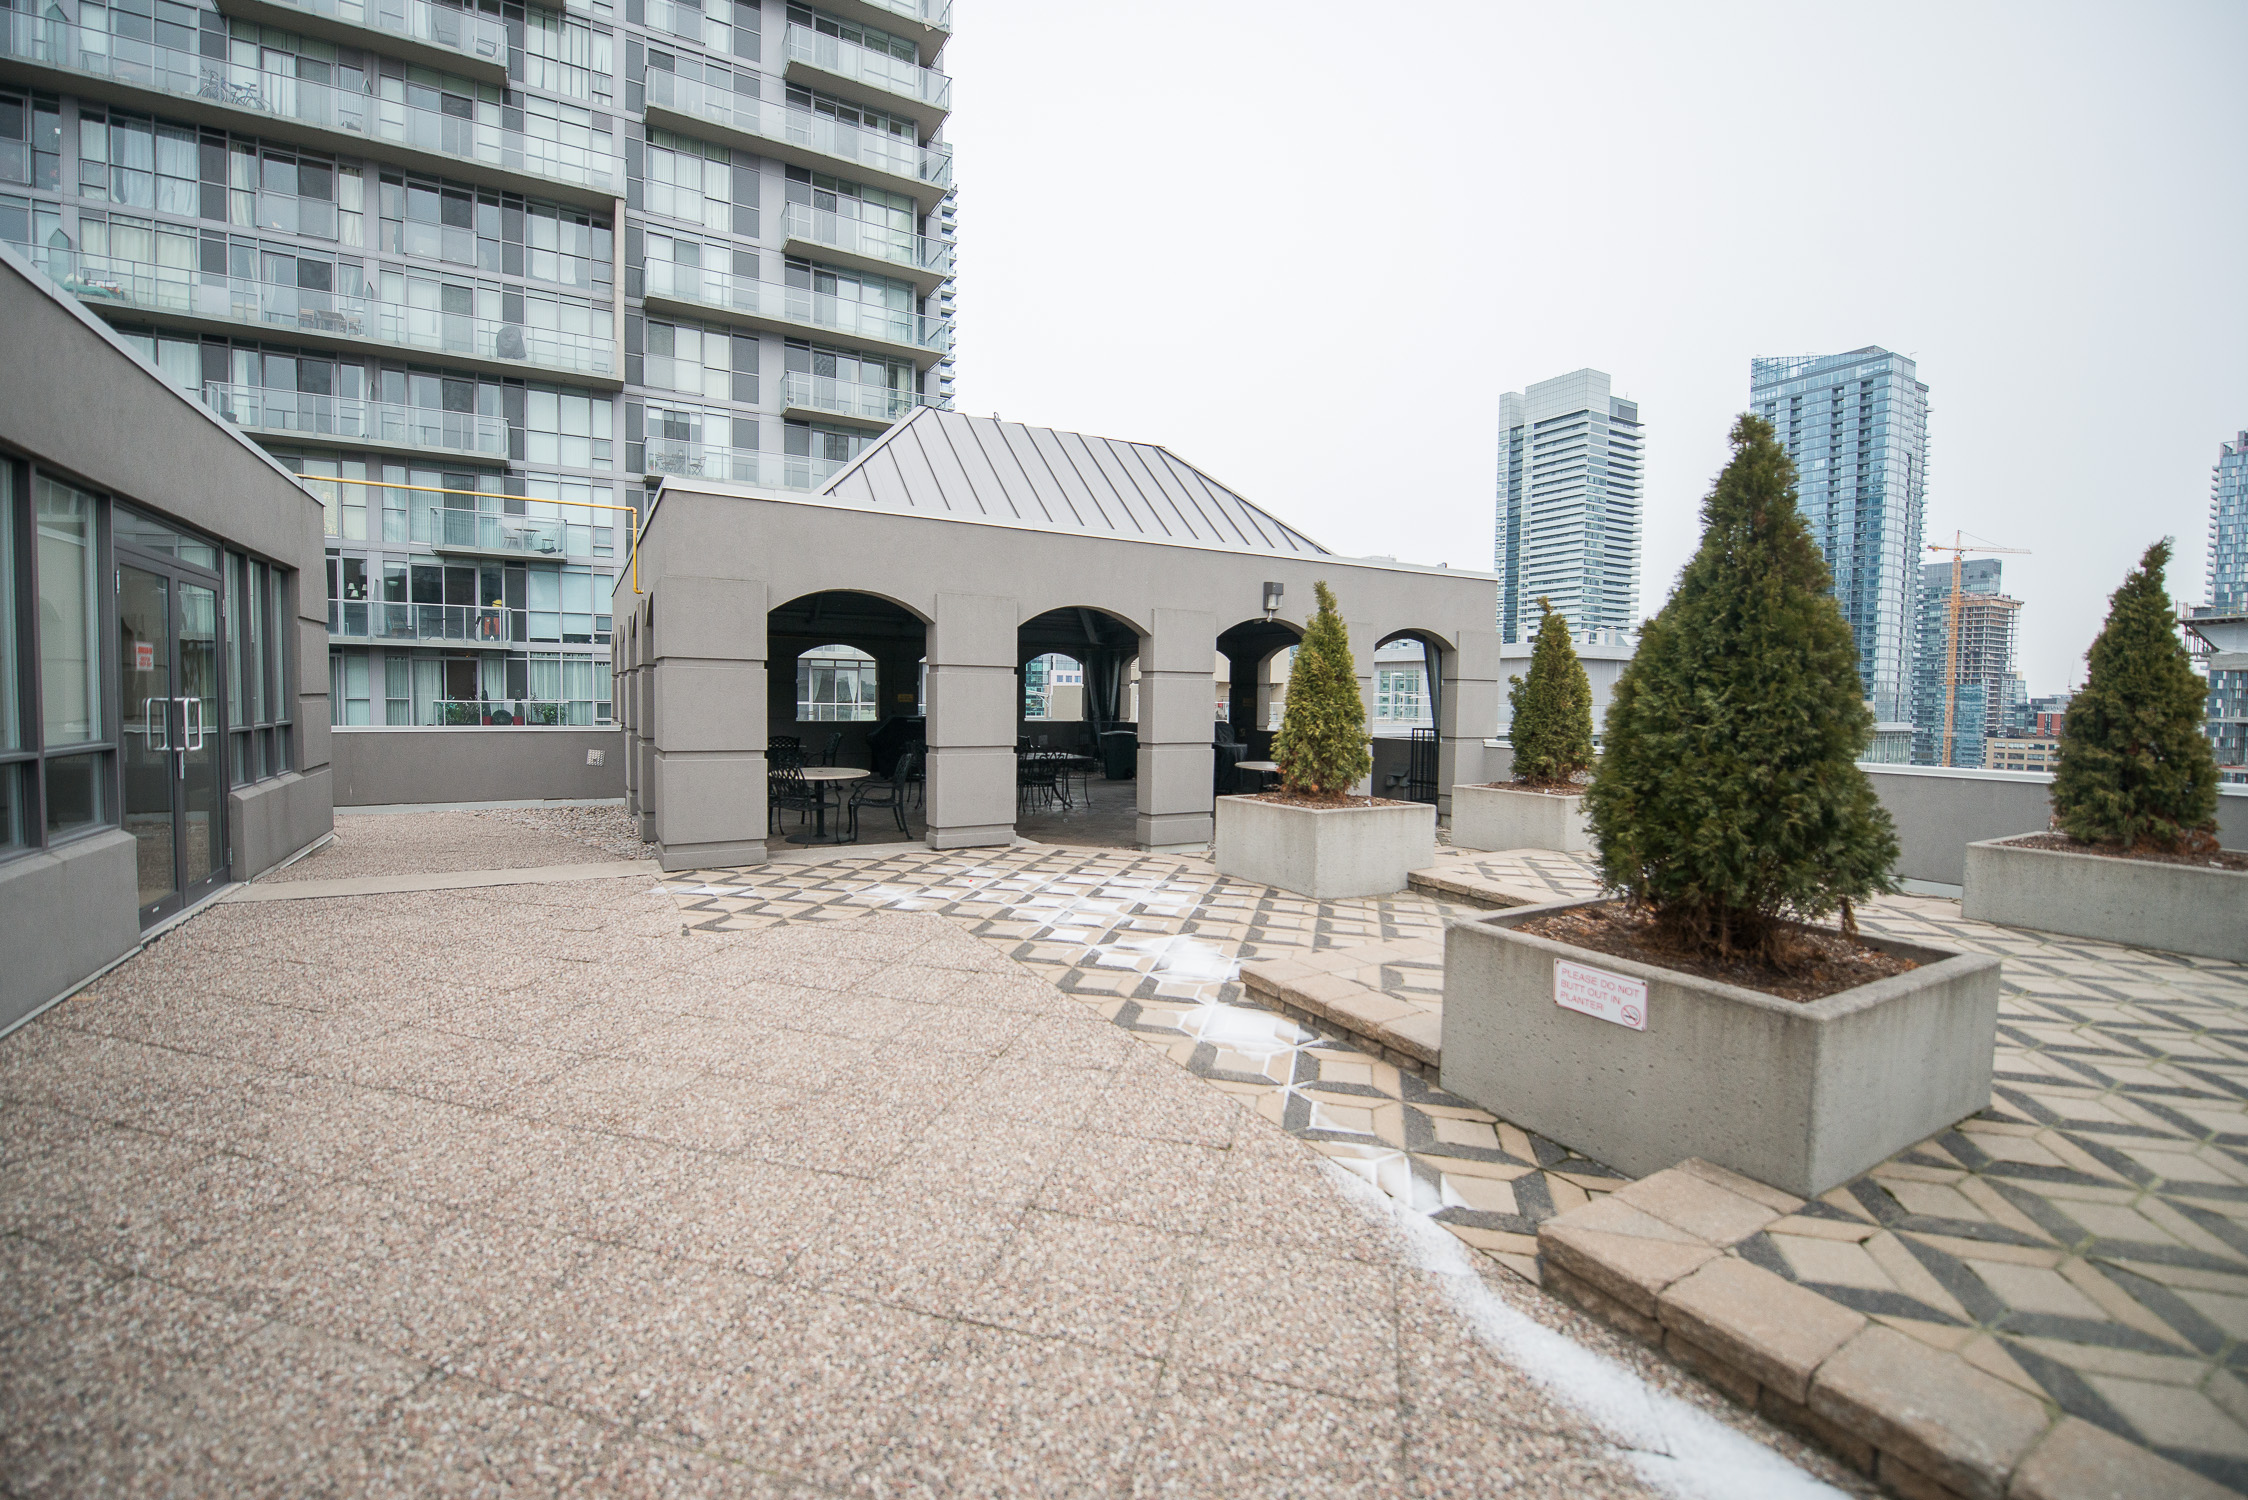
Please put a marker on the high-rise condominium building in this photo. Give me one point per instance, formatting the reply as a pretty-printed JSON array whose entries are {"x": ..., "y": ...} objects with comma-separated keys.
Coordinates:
[
  {"x": 1856, "y": 425},
  {"x": 2220, "y": 625},
  {"x": 1966, "y": 656},
  {"x": 499, "y": 260},
  {"x": 1571, "y": 467}
]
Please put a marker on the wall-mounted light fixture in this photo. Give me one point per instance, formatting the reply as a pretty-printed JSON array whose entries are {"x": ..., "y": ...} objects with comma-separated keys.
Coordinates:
[{"x": 1273, "y": 592}]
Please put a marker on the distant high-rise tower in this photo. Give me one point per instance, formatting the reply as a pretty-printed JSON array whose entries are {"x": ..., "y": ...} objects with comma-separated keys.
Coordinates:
[
  {"x": 1856, "y": 425},
  {"x": 1982, "y": 665},
  {"x": 2221, "y": 625},
  {"x": 1570, "y": 465}
]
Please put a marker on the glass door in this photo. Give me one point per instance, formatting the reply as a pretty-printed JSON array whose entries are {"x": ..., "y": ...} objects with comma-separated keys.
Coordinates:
[
  {"x": 144, "y": 627},
  {"x": 175, "y": 793}
]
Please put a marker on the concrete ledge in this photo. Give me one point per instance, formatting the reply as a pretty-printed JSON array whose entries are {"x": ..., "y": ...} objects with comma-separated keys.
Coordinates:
[
  {"x": 1652, "y": 1260},
  {"x": 1498, "y": 817},
  {"x": 82, "y": 898},
  {"x": 1469, "y": 886},
  {"x": 1338, "y": 990},
  {"x": 2141, "y": 903}
]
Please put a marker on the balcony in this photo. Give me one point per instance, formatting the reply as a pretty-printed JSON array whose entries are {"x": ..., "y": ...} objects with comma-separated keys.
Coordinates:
[
  {"x": 345, "y": 422},
  {"x": 824, "y": 397},
  {"x": 934, "y": 17},
  {"x": 328, "y": 320},
  {"x": 418, "y": 624},
  {"x": 865, "y": 76},
  {"x": 800, "y": 137},
  {"x": 516, "y": 713},
  {"x": 823, "y": 234},
  {"x": 785, "y": 309},
  {"x": 437, "y": 36},
  {"x": 775, "y": 471},
  {"x": 482, "y": 534},
  {"x": 545, "y": 148}
]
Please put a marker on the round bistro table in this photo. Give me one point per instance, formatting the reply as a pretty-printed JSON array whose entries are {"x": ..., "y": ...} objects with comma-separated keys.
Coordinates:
[{"x": 820, "y": 778}]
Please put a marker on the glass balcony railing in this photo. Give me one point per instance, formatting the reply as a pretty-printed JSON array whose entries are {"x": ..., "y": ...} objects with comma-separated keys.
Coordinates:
[
  {"x": 464, "y": 31},
  {"x": 466, "y": 530},
  {"x": 867, "y": 403},
  {"x": 294, "y": 413},
  {"x": 508, "y": 713},
  {"x": 934, "y": 13},
  {"x": 778, "y": 471},
  {"x": 707, "y": 287},
  {"x": 832, "y": 54},
  {"x": 267, "y": 305},
  {"x": 556, "y": 142},
  {"x": 819, "y": 226},
  {"x": 374, "y": 620},
  {"x": 772, "y": 120}
]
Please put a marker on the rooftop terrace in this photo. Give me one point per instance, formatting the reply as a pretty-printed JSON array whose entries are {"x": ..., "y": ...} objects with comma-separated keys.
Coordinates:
[{"x": 470, "y": 1150}]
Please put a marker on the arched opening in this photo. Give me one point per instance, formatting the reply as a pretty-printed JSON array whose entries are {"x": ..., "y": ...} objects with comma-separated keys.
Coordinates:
[
  {"x": 1251, "y": 681},
  {"x": 1077, "y": 742},
  {"x": 1404, "y": 717},
  {"x": 845, "y": 707}
]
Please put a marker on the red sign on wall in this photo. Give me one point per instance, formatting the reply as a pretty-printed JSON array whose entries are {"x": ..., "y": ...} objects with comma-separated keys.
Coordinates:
[{"x": 144, "y": 656}]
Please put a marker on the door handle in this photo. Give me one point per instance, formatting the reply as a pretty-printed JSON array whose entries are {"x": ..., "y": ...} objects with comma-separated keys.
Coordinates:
[
  {"x": 153, "y": 724},
  {"x": 191, "y": 728}
]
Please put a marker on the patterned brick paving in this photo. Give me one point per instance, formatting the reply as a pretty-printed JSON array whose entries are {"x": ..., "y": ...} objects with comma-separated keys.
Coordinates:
[{"x": 2086, "y": 1238}]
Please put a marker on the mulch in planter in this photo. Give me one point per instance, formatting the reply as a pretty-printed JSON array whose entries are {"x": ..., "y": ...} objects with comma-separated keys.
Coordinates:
[
  {"x": 1823, "y": 962},
  {"x": 1549, "y": 788},
  {"x": 2210, "y": 858}
]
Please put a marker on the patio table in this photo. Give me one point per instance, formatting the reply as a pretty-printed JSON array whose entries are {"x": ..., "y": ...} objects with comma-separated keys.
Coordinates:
[
  {"x": 820, "y": 777},
  {"x": 1262, "y": 768}
]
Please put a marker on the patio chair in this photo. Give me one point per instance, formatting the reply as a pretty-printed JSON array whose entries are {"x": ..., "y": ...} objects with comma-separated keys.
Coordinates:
[
  {"x": 784, "y": 751},
  {"x": 890, "y": 794},
  {"x": 834, "y": 744},
  {"x": 1036, "y": 779},
  {"x": 786, "y": 787}
]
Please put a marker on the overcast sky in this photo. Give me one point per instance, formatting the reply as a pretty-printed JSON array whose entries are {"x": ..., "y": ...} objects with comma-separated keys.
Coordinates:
[{"x": 1306, "y": 246}]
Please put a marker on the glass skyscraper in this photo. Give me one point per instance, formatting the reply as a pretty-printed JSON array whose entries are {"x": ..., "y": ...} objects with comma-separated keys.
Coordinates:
[
  {"x": 498, "y": 261},
  {"x": 2221, "y": 624},
  {"x": 1571, "y": 460},
  {"x": 1856, "y": 425},
  {"x": 1981, "y": 664}
]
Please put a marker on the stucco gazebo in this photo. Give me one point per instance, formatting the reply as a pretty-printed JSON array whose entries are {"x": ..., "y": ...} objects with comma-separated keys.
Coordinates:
[{"x": 965, "y": 546}]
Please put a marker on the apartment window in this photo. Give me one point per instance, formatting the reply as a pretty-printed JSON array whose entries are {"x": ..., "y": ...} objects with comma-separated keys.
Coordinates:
[
  {"x": 259, "y": 702},
  {"x": 699, "y": 360},
  {"x": 835, "y": 683},
  {"x": 1398, "y": 695},
  {"x": 690, "y": 180},
  {"x": 54, "y": 733},
  {"x": 347, "y": 688},
  {"x": 566, "y": 56}
]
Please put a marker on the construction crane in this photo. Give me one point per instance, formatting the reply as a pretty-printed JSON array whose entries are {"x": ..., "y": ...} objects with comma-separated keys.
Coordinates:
[{"x": 1958, "y": 550}]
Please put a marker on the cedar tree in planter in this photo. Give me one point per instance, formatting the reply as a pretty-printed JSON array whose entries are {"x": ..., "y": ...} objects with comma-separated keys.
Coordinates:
[
  {"x": 1312, "y": 837},
  {"x": 1551, "y": 731},
  {"x": 2136, "y": 778},
  {"x": 1730, "y": 814}
]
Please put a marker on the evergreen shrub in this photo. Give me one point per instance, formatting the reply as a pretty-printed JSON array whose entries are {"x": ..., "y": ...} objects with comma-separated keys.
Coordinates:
[
  {"x": 1728, "y": 798},
  {"x": 1323, "y": 749},
  {"x": 2135, "y": 768},
  {"x": 1551, "y": 727}
]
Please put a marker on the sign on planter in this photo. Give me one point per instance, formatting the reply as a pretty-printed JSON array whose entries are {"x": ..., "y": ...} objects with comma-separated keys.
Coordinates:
[{"x": 1596, "y": 992}]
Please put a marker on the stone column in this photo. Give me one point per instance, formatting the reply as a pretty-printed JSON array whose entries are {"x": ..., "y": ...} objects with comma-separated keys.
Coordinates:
[
  {"x": 707, "y": 722},
  {"x": 624, "y": 641},
  {"x": 644, "y": 719},
  {"x": 973, "y": 705},
  {"x": 1178, "y": 712},
  {"x": 1467, "y": 713}
]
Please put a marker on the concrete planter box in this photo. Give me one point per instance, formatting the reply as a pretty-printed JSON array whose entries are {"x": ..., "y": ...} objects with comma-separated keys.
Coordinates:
[
  {"x": 1801, "y": 1096},
  {"x": 1497, "y": 817},
  {"x": 1327, "y": 853},
  {"x": 2140, "y": 902}
]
